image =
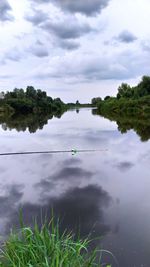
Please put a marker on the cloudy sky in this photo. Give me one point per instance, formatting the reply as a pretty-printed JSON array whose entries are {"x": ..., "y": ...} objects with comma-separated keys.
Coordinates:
[{"x": 74, "y": 49}]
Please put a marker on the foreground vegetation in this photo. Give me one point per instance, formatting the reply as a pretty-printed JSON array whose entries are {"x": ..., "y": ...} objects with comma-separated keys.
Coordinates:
[{"x": 46, "y": 247}]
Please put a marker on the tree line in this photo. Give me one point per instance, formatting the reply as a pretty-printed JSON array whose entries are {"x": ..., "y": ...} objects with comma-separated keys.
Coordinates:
[
  {"x": 29, "y": 101},
  {"x": 128, "y": 101}
]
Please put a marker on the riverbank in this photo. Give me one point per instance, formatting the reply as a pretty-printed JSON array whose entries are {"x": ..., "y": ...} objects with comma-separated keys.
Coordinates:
[
  {"x": 125, "y": 107},
  {"x": 131, "y": 104}
]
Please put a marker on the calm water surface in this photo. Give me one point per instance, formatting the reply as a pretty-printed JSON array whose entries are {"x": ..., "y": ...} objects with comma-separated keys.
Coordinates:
[{"x": 106, "y": 193}]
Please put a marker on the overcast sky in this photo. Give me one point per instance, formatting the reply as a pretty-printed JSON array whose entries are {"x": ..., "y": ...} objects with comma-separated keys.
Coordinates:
[{"x": 74, "y": 49}]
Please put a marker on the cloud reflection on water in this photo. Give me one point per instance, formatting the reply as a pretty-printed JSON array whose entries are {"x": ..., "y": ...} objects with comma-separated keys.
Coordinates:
[{"x": 80, "y": 209}]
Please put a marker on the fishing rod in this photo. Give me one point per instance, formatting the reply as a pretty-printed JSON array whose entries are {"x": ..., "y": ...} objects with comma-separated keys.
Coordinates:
[{"x": 72, "y": 151}]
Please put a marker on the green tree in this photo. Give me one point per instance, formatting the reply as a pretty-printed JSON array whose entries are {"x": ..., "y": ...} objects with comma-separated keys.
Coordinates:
[
  {"x": 31, "y": 92},
  {"x": 107, "y": 97},
  {"x": 124, "y": 90},
  {"x": 143, "y": 87},
  {"x": 96, "y": 101}
]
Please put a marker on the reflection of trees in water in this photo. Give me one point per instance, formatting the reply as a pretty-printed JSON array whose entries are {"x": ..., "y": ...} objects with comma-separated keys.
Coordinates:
[
  {"x": 141, "y": 127},
  {"x": 125, "y": 123},
  {"x": 30, "y": 122}
]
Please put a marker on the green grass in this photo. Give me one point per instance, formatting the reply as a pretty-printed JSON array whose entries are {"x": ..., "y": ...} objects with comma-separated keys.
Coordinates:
[{"x": 46, "y": 247}]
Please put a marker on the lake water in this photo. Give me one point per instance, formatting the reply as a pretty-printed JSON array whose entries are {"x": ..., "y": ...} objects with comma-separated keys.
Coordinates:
[{"x": 106, "y": 194}]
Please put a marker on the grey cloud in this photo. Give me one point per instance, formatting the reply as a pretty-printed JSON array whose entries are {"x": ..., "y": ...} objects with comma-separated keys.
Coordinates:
[
  {"x": 13, "y": 195},
  {"x": 13, "y": 55},
  {"x": 124, "y": 166},
  {"x": 72, "y": 161},
  {"x": 126, "y": 37},
  {"x": 6, "y": 76},
  {"x": 62, "y": 31},
  {"x": 69, "y": 175},
  {"x": 88, "y": 69},
  {"x": 37, "y": 17},
  {"x": 145, "y": 45},
  {"x": 39, "y": 50},
  {"x": 2, "y": 61},
  {"x": 72, "y": 172},
  {"x": 83, "y": 76},
  {"x": 65, "y": 28},
  {"x": 66, "y": 174},
  {"x": 41, "y": 1},
  {"x": 69, "y": 45},
  {"x": 38, "y": 42},
  {"x": 2, "y": 169},
  {"x": 88, "y": 7},
  {"x": 5, "y": 8},
  {"x": 69, "y": 28},
  {"x": 40, "y": 53},
  {"x": 112, "y": 72}
]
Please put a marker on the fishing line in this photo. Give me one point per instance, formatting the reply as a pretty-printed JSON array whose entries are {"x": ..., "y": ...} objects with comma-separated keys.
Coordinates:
[{"x": 73, "y": 151}]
